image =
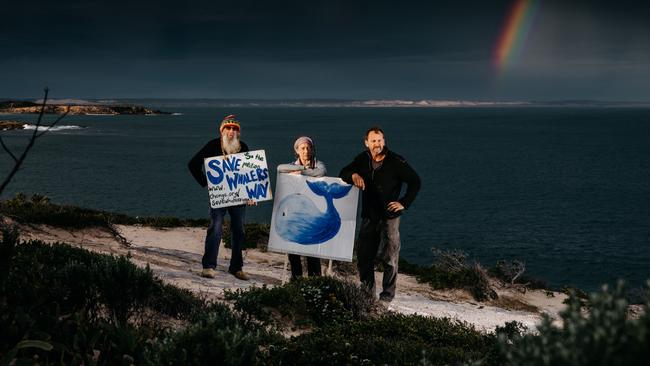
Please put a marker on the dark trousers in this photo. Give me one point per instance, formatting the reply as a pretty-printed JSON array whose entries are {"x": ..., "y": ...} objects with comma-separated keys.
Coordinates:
[
  {"x": 313, "y": 266},
  {"x": 379, "y": 238},
  {"x": 213, "y": 237}
]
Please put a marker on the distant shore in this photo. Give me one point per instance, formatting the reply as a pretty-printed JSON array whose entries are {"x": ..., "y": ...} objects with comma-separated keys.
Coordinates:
[
  {"x": 25, "y": 107},
  {"x": 11, "y": 125}
]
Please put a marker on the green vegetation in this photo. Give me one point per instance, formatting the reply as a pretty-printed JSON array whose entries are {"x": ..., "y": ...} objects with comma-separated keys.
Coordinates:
[
  {"x": 391, "y": 339},
  {"x": 450, "y": 269},
  {"x": 512, "y": 272},
  {"x": 313, "y": 301},
  {"x": 64, "y": 305},
  {"x": 39, "y": 210},
  {"x": 602, "y": 336},
  {"x": 257, "y": 235}
]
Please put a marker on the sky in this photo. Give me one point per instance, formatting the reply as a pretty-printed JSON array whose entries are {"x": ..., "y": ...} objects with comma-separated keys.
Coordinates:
[{"x": 443, "y": 50}]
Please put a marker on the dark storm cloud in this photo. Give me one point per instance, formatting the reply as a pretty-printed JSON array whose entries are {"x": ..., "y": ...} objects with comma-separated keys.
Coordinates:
[
  {"x": 353, "y": 49},
  {"x": 272, "y": 30}
]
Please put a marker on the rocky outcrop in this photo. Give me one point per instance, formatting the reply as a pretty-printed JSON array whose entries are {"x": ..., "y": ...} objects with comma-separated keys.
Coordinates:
[
  {"x": 22, "y": 107},
  {"x": 11, "y": 125}
]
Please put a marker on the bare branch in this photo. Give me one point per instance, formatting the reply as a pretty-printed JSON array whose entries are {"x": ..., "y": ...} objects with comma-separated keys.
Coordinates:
[
  {"x": 40, "y": 115},
  {"x": 19, "y": 161},
  {"x": 118, "y": 236},
  {"x": 453, "y": 260},
  {"x": 519, "y": 267},
  {"x": 2, "y": 141}
]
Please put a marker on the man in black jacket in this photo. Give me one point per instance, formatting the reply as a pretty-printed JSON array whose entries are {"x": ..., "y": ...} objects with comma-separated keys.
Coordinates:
[
  {"x": 380, "y": 173},
  {"x": 227, "y": 143}
]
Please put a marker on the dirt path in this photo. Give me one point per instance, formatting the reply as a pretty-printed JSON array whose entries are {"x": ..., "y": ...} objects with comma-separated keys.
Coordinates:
[{"x": 175, "y": 256}]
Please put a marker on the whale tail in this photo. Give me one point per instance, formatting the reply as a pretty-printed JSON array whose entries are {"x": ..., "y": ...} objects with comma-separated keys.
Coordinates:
[{"x": 334, "y": 190}]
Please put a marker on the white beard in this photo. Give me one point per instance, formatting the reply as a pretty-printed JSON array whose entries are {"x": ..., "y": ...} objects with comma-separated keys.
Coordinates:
[{"x": 230, "y": 146}]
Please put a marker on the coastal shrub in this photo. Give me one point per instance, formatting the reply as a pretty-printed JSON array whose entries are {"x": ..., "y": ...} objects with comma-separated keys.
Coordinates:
[
  {"x": 451, "y": 270},
  {"x": 41, "y": 310},
  {"x": 98, "y": 283},
  {"x": 39, "y": 210},
  {"x": 217, "y": 337},
  {"x": 603, "y": 335},
  {"x": 391, "y": 339},
  {"x": 347, "y": 269},
  {"x": 66, "y": 305},
  {"x": 260, "y": 303},
  {"x": 578, "y": 293},
  {"x": 257, "y": 235},
  {"x": 508, "y": 271},
  {"x": 176, "y": 302},
  {"x": 313, "y": 300},
  {"x": 512, "y": 272},
  {"x": 7, "y": 249}
]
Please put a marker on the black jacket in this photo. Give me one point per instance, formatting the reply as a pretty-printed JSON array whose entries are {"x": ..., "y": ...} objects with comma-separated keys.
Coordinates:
[
  {"x": 384, "y": 185},
  {"x": 212, "y": 148}
]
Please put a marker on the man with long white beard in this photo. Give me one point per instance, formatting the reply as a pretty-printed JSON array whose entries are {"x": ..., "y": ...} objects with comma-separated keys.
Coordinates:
[{"x": 227, "y": 143}]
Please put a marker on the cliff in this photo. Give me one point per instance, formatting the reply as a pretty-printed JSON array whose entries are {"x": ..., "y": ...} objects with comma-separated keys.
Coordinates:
[{"x": 174, "y": 254}]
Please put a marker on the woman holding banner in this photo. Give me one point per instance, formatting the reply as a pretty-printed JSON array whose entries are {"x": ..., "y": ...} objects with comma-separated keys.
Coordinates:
[{"x": 305, "y": 164}]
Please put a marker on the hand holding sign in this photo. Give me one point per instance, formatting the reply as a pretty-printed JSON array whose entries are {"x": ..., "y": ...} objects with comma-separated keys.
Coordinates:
[
  {"x": 314, "y": 217},
  {"x": 238, "y": 179}
]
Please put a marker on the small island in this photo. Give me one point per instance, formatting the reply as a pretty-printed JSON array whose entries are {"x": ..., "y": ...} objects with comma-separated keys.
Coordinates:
[
  {"x": 11, "y": 125},
  {"x": 26, "y": 107}
]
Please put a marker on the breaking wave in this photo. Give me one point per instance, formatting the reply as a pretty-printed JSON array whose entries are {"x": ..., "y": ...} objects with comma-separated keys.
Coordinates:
[{"x": 53, "y": 129}]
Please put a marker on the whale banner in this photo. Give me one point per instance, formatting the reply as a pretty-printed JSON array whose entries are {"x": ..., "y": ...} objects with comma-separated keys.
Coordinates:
[
  {"x": 314, "y": 217},
  {"x": 235, "y": 179}
]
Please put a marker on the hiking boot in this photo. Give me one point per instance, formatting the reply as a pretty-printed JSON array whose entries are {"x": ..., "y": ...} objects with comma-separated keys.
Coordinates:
[
  {"x": 208, "y": 273},
  {"x": 240, "y": 275}
]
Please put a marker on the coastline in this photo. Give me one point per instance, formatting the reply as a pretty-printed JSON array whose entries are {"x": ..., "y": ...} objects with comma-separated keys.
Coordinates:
[
  {"x": 21, "y": 107},
  {"x": 174, "y": 255}
]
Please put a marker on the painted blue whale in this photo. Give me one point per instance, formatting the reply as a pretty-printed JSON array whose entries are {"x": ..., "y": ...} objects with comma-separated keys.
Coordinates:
[{"x": 298, "y": 220}]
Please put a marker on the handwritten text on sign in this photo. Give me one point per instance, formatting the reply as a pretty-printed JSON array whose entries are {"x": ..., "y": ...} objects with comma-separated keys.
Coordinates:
[{"x": 235, "y": 179}]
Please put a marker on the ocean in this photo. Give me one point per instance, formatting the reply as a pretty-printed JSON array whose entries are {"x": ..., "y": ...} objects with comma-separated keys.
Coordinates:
[{"x": 566, "y": 190}]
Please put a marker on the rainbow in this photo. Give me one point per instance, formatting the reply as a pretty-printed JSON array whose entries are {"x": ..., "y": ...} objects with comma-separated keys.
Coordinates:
[{"x": 514, "y": 33}]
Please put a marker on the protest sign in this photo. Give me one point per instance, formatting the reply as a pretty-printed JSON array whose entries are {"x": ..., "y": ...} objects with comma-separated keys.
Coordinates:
[
  {"x": 234, "y": 179},
  {"x": 314, "y": 217}
]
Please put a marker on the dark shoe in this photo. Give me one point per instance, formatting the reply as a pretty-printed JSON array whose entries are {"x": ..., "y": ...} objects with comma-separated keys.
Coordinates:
[
  {"x": 208, "y": 273},
  {"x": 385, "y": 298},
  {"x": 241, "y": 275}
]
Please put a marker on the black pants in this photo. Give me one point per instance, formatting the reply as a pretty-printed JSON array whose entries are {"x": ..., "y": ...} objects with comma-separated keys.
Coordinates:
[
  {"x": 379, "y": 239},
  {"x": 313, "y": 266}
]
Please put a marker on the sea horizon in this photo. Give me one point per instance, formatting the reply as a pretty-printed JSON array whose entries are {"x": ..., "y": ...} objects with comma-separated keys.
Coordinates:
[{"x": 339, "y": 102}]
